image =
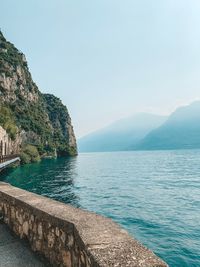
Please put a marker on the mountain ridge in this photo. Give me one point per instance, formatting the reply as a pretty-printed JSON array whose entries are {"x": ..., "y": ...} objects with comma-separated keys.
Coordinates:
[
  {"x": 180, "y": 131},
  {"x": 121, "y": 134}
]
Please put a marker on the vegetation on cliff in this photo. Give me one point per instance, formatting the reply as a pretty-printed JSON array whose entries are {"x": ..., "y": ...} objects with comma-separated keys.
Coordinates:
[
  {"x": 40, "y": 120},
  {"x": 61, "y": 122},
  {"x": 29, "y": 154},
  {"x": 7, "y": 121}
]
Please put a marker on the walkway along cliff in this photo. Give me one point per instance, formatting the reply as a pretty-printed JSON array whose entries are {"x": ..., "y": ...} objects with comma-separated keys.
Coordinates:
[{"x": 8, "y": 151}]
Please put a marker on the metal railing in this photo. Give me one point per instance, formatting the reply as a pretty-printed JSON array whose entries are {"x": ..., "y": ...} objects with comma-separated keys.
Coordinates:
[{"x": 8, "y": 157}]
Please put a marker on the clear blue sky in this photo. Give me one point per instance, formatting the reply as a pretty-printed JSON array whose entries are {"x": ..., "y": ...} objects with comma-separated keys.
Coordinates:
[{"x": 107, "y": 59}]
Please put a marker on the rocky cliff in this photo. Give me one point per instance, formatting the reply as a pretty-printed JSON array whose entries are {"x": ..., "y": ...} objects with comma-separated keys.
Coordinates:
[{"x": 33, "y": 118}]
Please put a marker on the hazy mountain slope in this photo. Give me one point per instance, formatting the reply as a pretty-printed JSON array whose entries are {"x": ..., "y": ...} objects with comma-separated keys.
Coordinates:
[
  {"x": 180, "y": 131},
  {"x": 121, "y": 135}
]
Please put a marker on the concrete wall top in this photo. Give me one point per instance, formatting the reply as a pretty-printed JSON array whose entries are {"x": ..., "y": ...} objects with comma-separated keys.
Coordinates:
[{"x": 104, "y": 242}]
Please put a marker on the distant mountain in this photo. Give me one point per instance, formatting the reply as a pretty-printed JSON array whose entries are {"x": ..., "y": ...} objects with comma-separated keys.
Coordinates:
[
  {"x": 121, "y": 135},
  {"x": 180, "y": 131}
]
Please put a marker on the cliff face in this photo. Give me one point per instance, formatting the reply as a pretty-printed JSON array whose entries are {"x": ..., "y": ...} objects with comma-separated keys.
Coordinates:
[
  {"x": 63, "y": 134},
  {"x": 27, "y": 114}
]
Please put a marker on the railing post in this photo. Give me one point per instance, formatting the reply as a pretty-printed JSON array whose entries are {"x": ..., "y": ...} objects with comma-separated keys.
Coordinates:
[{"x": 4, "y": 158}]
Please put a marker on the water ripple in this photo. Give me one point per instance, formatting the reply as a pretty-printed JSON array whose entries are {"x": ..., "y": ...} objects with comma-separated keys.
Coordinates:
[{"x": 154, "y": 195}]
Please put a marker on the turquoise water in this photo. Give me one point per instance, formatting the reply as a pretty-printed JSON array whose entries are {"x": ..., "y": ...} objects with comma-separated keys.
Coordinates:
[{"x": 154, "y": 195}]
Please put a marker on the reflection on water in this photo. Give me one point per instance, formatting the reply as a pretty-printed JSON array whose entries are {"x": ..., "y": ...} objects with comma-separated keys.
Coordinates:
[
  {"x": 154, "y": 195},
  {"x": 52, "y": 177}
]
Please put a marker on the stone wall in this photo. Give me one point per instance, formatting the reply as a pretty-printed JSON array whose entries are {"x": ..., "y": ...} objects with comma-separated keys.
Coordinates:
[
  {"x": 5, "y": 142},
  {"x": 7, "y": 146},
  {"x": 68, "y": 236}
]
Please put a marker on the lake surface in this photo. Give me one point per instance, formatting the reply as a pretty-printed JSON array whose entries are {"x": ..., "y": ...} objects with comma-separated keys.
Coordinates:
[{"x": 154, "y": 195}]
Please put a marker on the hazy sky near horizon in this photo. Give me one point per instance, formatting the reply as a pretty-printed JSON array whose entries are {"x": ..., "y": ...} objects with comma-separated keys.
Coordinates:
[{"x": 108, "y": 59}]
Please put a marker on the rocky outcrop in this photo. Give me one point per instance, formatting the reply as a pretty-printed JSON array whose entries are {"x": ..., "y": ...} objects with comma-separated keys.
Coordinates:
[
  {"x": 61, "y": 122},
  {"x": 38, "y": 122}
]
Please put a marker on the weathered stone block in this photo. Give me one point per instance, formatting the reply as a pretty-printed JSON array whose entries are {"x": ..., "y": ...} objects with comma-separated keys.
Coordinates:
[
  {"x": 51, "y": 239},
  {"x": 25, "y": 228},
  {"x": 40, "y": 232},
  {"x": 66, "y": 256}
]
